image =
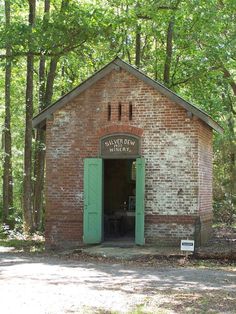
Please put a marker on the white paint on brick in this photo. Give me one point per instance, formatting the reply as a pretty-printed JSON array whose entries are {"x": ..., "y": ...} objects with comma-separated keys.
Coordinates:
[
  {"x": 79, "y": 196},
  {"x": 61, "y": 151},
  {"x": 170, "y": 184},
  {"x": 62, "y": 118}
]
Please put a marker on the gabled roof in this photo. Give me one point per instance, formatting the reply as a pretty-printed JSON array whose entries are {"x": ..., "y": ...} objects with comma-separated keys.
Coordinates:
[{"x": 40, "y": 120}]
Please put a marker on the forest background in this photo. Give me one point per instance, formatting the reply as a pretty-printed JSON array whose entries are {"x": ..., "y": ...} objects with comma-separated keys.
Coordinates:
[{"x": 50, "y": 46}]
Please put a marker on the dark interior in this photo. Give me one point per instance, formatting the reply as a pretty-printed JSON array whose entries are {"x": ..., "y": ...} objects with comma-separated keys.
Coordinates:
[{"x": 119, "y": 198}]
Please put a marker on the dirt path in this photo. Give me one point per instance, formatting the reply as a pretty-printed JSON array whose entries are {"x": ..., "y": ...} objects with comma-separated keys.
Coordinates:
[{"x": 43, "y": 284}]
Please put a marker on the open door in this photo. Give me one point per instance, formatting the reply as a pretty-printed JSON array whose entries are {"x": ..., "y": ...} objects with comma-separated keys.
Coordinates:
[
  {"x": 139, "y": 211},
  {"x": 92, "y": 221}
]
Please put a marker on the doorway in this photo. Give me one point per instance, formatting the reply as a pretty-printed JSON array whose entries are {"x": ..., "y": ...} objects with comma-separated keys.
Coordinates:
[
  {"x": 94, "y": 216},
  {"x": 119, "y": 199}
]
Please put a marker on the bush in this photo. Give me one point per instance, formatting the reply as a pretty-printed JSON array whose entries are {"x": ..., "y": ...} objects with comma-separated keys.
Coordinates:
[{"x": 224, "y": 211}]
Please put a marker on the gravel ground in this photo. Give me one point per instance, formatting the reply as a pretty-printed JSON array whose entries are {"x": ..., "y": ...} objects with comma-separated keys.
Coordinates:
[{"x": 46, "y": 284}]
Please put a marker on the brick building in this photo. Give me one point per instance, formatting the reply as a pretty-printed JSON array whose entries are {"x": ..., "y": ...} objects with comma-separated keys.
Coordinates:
[{"x": 126, "y": 159}]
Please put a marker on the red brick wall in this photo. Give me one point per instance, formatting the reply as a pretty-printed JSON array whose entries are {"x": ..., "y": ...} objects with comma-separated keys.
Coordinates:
[{"x": 169, "y": 143}]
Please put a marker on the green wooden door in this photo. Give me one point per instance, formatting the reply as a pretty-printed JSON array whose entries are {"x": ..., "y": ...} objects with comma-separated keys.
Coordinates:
[
  {"x": 92, "y": 200},
  {"x": 139, "y": 208}
]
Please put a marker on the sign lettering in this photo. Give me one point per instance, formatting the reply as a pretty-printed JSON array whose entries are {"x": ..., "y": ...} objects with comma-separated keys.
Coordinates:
[
  {"x": 187, "y": 245},
  {"x": 119, "y": 145}
]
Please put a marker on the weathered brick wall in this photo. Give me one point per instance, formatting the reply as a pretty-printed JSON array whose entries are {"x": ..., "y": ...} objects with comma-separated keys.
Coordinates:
[
  {"x": 205, "y": 155},
  {"x": 64, "y": 225},
  {"x": 169, "y": 140}
]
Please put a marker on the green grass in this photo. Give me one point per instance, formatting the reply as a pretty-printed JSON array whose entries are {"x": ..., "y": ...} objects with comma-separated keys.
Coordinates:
[
  {"x": 23, "y": 245},
  {"x": 216, "y": 264}
]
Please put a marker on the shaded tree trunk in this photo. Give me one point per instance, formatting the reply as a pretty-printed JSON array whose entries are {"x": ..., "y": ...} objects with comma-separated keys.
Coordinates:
[
  {"x": 169, "y": 50},
  {"x": 50, "y": 80},
  {"x": 39, "y": 157},
  {"x": 39, "y": 164},
  {"x": 39, "y": 153},
  {"x": 156, "y": 61},
  {"x": 231, "y": 125},
  {"x": 39, "y": 178},
  {"x": 7, "y": 161},
  {"x": 138, "y": 46},
  {"x": 63, "y": 78},
  {"x": 27, "y": 186}
]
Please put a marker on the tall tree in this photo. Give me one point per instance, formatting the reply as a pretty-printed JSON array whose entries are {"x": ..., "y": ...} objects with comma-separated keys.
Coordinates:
[
  {"x": 40, "y": 137},
  {"x": 138, "y": 46},
  {"x": 7, "y": 143},
  {"x": 46, "y": 83},
  {"x": 27, "y": 187},
  {"x": 169, "y": 51}
]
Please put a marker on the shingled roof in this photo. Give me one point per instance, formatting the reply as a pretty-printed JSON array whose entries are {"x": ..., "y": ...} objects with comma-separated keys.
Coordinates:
[{"x": 39, "y": 120}]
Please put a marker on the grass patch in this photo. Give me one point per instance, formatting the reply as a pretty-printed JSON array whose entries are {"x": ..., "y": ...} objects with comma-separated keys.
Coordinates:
[
  {"x": 24, "y": 245},
  {"x": 140, "y": 309},
  {"x": 216, "y": 264}
]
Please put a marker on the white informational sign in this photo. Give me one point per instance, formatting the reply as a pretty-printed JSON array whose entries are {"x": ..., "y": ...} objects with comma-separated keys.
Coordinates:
[{"x": 187, "y": 245}]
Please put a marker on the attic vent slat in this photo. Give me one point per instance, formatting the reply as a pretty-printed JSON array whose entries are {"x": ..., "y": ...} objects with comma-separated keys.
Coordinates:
[
  {"x": 109, "y": 112},
  {"x": 130, "y": 111},
  {"x": 119, "y": 111}
]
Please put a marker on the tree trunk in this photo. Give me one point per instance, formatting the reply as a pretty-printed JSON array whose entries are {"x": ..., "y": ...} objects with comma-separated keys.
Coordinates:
[
  {"x": 232, "y": 165},
  {"x": 39, "y": 153},
  {"x": 7, "y": 161},
  {"x": 138, "y": 46},
  {"x": 40, "y": 141},
  {"x": 27, "y": 186},
  {"x": 156, "y": 61},
  {"x": 231, "y": 127},
  {"x": 40, "y": 149},
  {"x": 39, "y": 178},
  {"x": 169, "y": 50},
  {"x": 50, "y": 80},
  {"x": 63, "y": 78}
]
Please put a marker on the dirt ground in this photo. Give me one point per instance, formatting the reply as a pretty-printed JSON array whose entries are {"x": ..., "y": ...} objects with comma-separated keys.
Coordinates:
[{"x": 31, "y": 283}]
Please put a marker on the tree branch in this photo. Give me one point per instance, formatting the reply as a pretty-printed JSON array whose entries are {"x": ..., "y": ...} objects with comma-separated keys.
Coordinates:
[
  {"x": 181, "y": 82},
  {"x": 164, "y": 7},
  {"x": 228, "y": 76},
  {"x": 40, "y": 53}
]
